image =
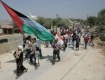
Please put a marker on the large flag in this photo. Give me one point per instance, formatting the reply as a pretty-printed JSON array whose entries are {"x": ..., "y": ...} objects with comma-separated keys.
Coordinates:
[
  {"x": 60, "y": 39},
  {"x": 26, "y": 25}
]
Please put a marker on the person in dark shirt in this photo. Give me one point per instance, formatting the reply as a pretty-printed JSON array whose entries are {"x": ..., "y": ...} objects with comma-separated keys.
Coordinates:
[
  {"x": 24, "y": 41},
  {"x": 73, "y": 39},
  {"x": 77, "y": 42},
  {"x": 91, "y": 39},
  {"x": 56, "y": 50},
  {"x": 65, "y": 44},
  {"x": 18, "y": 54}
]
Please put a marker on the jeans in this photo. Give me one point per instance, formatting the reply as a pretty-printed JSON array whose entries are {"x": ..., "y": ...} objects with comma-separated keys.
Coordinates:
[
  {"x": 56, "y": 53},
  {"x": 28, "y": 51},
  {"x": 92, "y": 42},
  {"x": 31, "y": 57},
  {"x": 86, "y": 43},
  {"x": 73, "y": 43},
  {"x": 64, "y": 47},
  {"x": 40, "y": 53}
]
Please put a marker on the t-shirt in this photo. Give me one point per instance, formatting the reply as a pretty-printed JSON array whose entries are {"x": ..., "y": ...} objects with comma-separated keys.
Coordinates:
[
  {"x": 66, "y": 36},
  {"x": 92, "y": 37},
  {"x": 27, "y": 44},
  {"x": 56, "y": 46},
  {"x": 74, "y": 37},
  {"x": 34, "y": 45},
  {"x": 38, "y": 43},
  {"x": 85, "y": 35},
  {"x": 86, "y": 39}
]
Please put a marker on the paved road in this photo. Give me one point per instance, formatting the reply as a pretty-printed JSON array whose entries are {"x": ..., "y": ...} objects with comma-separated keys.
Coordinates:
[{"x": 73, "y": 65}]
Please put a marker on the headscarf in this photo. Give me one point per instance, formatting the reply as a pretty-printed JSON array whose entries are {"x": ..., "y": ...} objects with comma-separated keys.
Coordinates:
[{"x": 20, "y": 47}]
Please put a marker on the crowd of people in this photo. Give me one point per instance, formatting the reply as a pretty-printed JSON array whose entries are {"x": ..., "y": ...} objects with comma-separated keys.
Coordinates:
[
  {"x": 71, "y": 37},
  {"x": 32, "y": 46}
]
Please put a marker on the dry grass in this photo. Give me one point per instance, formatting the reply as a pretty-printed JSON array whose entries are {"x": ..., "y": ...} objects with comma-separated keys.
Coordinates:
[{"x": 101, "y": 45}]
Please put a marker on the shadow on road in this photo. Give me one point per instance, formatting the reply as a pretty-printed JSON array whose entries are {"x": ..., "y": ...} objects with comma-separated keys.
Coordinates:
[{"x": 14, "y": 61}]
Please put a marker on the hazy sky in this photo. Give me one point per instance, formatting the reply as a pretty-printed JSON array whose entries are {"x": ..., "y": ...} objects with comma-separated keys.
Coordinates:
[{"x": 49, "y": 8}]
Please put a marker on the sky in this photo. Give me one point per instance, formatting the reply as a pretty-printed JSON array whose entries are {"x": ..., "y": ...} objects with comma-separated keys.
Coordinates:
[{"x": 49, "y": 8}]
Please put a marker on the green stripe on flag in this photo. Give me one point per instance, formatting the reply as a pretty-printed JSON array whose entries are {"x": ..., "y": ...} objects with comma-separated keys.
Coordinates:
[{"x": 42, "y": 35}]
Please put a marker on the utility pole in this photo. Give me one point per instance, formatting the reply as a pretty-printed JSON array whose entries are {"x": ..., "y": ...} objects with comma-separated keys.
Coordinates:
[
  {"x": 87, "y": 21},
  {"x": 57, "y": 20}
]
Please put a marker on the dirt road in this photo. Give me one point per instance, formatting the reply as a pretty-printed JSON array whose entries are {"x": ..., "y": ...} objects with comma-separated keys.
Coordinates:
[{"x": 74, "y": 65}]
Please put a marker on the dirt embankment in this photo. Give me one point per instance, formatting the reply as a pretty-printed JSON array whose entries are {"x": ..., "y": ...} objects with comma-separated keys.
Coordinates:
[{"x": 100, "y": 45}]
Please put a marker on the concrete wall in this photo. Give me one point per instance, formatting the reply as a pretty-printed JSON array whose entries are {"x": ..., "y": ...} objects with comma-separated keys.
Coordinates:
[
  {"x": 1, "y": 31},
  {"x": 13, "y": 42}
]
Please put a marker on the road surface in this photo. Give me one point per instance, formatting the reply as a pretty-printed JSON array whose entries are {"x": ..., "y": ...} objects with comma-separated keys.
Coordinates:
[{"x": 74, "y": 65}]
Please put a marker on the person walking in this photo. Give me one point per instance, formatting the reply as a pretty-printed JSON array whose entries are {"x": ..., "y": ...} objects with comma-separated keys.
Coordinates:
[
  {"x": 73, "y": 39},
  {"x": 28, "y": 46},
  {"x": 34, "y": 45},
  {"x": 65, "y": 44},
  {"x": 77, "y": 42},
  {"x": 37, "y": 53},
  {"x": 24, "y": 41},
  {"x": 18, "y": 54},
  {"x": 91, "y": 39},
  {"x": 56, "y": 50},
  {"x": 86, "y": 42}
]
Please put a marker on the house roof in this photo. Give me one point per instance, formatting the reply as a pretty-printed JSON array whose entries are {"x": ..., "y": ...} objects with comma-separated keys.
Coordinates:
[{"x": 7, "y": 27}]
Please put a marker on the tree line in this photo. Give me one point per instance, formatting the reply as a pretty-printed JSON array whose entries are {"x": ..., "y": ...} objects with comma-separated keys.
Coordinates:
[
  {"x": 49, "y": 23},
  {"x": 98, "y": 21}
]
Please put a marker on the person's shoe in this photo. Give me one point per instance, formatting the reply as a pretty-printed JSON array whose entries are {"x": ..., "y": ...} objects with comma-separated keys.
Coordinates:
[
  {"x": 53, "y": 63},
  {"x": 41, "y": 57},
  {"x": 26, "y": 70},
  {"x": 17, "y": 77},
  {"x": 58, "y": 59},
  {"x": 36, "y": 68}
]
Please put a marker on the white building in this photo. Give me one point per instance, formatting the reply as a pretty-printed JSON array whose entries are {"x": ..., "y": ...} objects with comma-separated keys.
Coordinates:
[{"x": 32, "y": 16}]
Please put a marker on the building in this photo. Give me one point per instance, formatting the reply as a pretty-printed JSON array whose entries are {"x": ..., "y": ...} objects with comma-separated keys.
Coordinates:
[
  {"x": 7, "y": 29},
  {"x": 32, "y": 16}
]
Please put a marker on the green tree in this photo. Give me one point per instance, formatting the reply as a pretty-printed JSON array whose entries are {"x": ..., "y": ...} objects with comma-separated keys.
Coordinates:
[
  {"x": 91, "y": 21},
  {"x": 64, "y": 22},
  {"x": 15, "y": 28},
  {"x": 40, "y": 20},
  {"x": 48, "y": 22},
  {"x": 101, "y": 21}
]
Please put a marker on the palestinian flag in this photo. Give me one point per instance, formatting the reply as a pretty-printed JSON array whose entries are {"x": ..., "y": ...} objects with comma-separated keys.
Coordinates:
[
  {"x": 60, "y": 39},
  {"x": 26, "y": 25}
]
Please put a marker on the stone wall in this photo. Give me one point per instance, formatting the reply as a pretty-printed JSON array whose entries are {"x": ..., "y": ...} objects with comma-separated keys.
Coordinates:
[
  {"x": 12, "y": 42},
  {"x": 1, "y": 31}
]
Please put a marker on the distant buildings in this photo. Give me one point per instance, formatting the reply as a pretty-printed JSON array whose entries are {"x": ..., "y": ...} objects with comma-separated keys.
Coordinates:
[
  {"x": 7, "y": 29},
  {"x": 32, "y": 16}
]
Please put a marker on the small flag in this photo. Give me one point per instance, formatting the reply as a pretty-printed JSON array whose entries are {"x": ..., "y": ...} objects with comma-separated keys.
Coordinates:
[
  {"x": 26, "y": 25},
  {"x": 59, "y": 37}
]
